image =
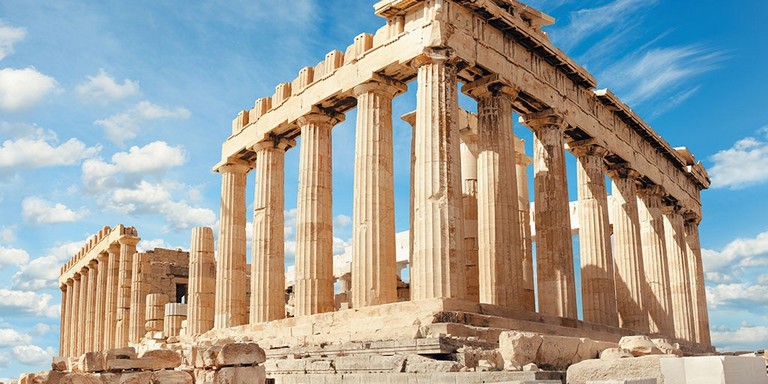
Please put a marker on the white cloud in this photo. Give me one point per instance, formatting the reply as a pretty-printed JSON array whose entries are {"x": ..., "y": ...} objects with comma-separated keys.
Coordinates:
[
  {"x": 42, "y": 329},
  {"x": 152, "y": 159},
  {"x": 13, "y": 256},
  {"x": 10, "y": 337},
  {"x": 7, "y": 234},
  {"x": 744, "y": 164},
  {"x": 737, "y": 294},
  {"x": 23, "y": 88},
  {"x": 26, "y": 303},
  {"x": 127, "y": 125},
  {"x": 37, "y": 210},
  {"x": 148, "y": 245},
  {"x": 342, "y": 221},
  {"x": 737, "y": 254},
  {"x": 745, "y": 338},
  {"x": 42, "y": 149},
  {"x": 43, "y": 272},
  {"x": 8, "y": 37},
  {"x": 103, "y": 88},
  {"x": 585, "y": 23},
  {"x": 32, "y": 354}
]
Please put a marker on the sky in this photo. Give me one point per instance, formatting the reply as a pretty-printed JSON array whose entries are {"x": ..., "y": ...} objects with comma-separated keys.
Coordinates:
[{"x": 114, "y": 112}]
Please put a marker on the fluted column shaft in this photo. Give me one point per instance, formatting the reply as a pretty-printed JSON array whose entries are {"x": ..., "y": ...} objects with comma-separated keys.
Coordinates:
[
  {"x": 101, "y": 299},
  {"x": 628, "y": 250},
  {"x": 64, "y": 321},
  {"x": 127, "y": 249},
  {"x": 524, "y": 223},
  {"x": 90, "y": 311},
  {"x": 202, "y": 281},
  {"x": 439, "y": 264},
  {"x": 140, "y": 286},
  {"x": 314, "y": 217},
  {"x": 598, "y": 291},
  {"x": 410, "y": 118},
  {"x": 680, "y": 286},
  {"x": 230, "y": 306},
  {"x": 82, "y": 307},
  {"x": 374, "y": 274},
  {"x": 657, "y": 297},
  {"x": 113, "y": 275},
  {"x": 500, "y": 255},
  {"x": 69, "y": 348},
  {"x": 267, "y": 268},
  {"x": 468, "y": 150},
  {"x": 698, "y": 290},
  {"x": 554, "y": 247}
]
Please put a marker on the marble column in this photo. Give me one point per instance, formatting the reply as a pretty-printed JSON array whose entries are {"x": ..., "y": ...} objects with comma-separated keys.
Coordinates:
[
  {"x": 657, "y": 297},
  {"x": 122, "y": 324},
  {"x": 202, "y": 281},
  {"x": 69, "y": 347},
  {"x": 524, "y": 222},
  {"x": 313, "y": 289},
  {"x": 140, "y": 286},
  {"x": 63, "y": 322},
  {"x": 374, "y": 277},
  {"x": 554, "y": 246},
  {"x": 500, "y": 254},
  {"x": 75, "y": 328},
  {"x": 627, "y": 249},
  {"x": 410, "y": 118},
  {"x": 439, "y": 264},
  {"x": 598, "y": 291},
  {"x": 230, "y": 302},
  {"x": 268, "y": 265},
  {"x": 110, "y": 311},
  {"x": 90, "y": 312},
  {"x": 82, "y": 311},
  {"x": 696, "y": 269},
  {"x": 468, "y": 148},
  {"x": 679, "y": 277},
  {"x": 101, "y": 298}
]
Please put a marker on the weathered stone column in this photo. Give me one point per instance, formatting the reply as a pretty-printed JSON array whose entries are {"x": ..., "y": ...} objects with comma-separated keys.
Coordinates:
[
  {"x": 101, "y": 298},
  {"x": 500, "y": 254},
  {"x": 314, "y": 216},
  {"x": 127, "y": 249},
  {"x": 657, "y": 297},
  {"x": 696, "y": 269},
  {"x": 140, "y": 285},
  {"x": 468, "y": 148},
  {"x": 110, "y": 311},
  {"x": 374, "y": 278},
  {"x": 82, "y": 311},
  {"x": 69, "y": 332},
  {"x": 230, "y": 306},
  {"x": 439, "y": 264},
  {"x": 410, "y": 118},
  {"x": 554, "y": 247},
  {"x": 90, "y": 309},
  {"x": 268, "y": 266},
  {"x": 524, "y": 222},
  {"x": 75, "y": 335},
  {"x": 155, "y": 313},
  {"x": 628, "y": 249},
  {"x": 175, "y": 314},
  {"x": 597, "y": 281},
  {"x": 63, "y": 322},
  {"x": 202, "y": 281},
  {"x": 679, "y": 277}
]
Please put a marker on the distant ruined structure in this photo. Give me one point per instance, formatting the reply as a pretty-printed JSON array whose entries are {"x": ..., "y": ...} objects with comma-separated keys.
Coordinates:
[{"x": 473, "y": 293}]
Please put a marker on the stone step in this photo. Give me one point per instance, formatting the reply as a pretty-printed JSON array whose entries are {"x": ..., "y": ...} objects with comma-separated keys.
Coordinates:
[{"x": 422, "y": 378}]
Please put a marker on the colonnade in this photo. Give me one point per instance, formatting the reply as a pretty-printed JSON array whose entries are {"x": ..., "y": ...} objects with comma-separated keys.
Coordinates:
[{"x": 648, "y": 279}]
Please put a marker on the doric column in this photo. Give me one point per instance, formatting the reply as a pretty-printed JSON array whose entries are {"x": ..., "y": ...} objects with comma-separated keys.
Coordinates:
[
  {"x": 75, "y": 335},
  {"x": 122, "y": 324},
  {"x": 101, "y": 298},
  {"x": 69, "y": 347},
  {"x": 679, "y": 277},
  {"x": 230, "y": 303},
  {"x": 140, "y": 285},
  {"x": 410, "y": 118},
  {"x": 110, "y": 311},
  {"x": 696, "y": 269},
  {"x": 374, "y": 278},
  {"x": 202, "y": 281},
  {"x": 500, "y": 254},
  {"x": 468, "y": 148},
  {"x": 268, "y": 265},
  {"x": 524, "y": 222},
  {"x": 554, "y": 248},
  {"x": 82, "y": 310},
  {"x": 63, "y": 322},
  {"x": 598, "y": 291},
  {"x": 439, "y": 265},
  {"x": 313, "y": 289},
  {"x": 657, "y": 297},
  {"x": 627, "y": 249},
  {"x": 90, "y": 311}
]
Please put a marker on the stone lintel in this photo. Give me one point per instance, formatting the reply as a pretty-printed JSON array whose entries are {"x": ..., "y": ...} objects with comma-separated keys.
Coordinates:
[
  {"x": 623, "y": 171},
  {"x": 435, "y": 55},
  {"x": 692, "y": 217}
]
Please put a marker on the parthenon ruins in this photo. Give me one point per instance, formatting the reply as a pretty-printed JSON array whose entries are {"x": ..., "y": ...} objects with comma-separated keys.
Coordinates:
[{"x": 484, "y": 257}]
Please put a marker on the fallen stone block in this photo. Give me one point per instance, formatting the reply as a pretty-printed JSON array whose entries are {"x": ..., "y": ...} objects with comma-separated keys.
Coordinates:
[
  {"x": 421, "y": 364},
  {"x": 240, "y": 354},
  {"x": 714, "y": 370},
  {"x": 667, "y": 347},
  {"x": 240, "y": 375},
  {"x": 615, "y": 353},
  {"x": 120, "y": 353},
  {"x": 369, "y": 363},
  {"x": 161, "y": 359},
  {"x": 631, "y": 368},
  {"x": 519, "y": 348},
  {"x": 59, "y": 364},
  {"x": 639, "y": 345},
  {"x": 91, "y": 362},
  {"x": 80, "y": 378},
  {"x": 171, "y": 377}
]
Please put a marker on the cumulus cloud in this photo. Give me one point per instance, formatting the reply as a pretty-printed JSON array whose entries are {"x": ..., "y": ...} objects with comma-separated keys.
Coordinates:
[
  {"x": 127, "y": 125},
  {"x": 13, "y": 256},
  {"x": 9, "y": 36},
  {"x": 10, "y": 337},
  {"x": 746, "y": 337},
  {"x": 37, "y": 210},
  {"x": 43, "y": 272},
  {"x": 148, "y": 245},
  {"x": 26, "y": 303},
  {"x": 7, "y": 234},
  {"x": 41, "y": 149},
  {"x": 103, "y": 88},
  {"x": 23, "y": 88},
  {"x": 737, "y": 294},
  {"x": 743, "y": 165},
  {"x": 32, "y": 354},
  {"x": 739, "y": 253},
  {"x": 152, "y": 159},
  {"x": 342, "y": 221}
]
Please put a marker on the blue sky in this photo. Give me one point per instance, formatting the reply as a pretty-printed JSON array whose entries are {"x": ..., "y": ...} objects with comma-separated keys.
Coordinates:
[{"x": 113, "y": 112}]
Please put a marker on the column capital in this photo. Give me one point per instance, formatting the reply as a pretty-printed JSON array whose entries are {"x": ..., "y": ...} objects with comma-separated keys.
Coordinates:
[
  {"x": 587, "y": 148},
  {"x": 63, "y": 287},
  {"x": 102, "y": 257},
  {"x": 670, "y": 208},
  {"x": 435, "y": 55},
  {"x": 548, "y": 118},
  {"x": 84, "y": 271},
  {"x": 409, "y": 118},
  {"x": 691, "y": 217},
  {"x": 76, "y": 276},
  {"x": 70, "y": 281},
  {"x": 113, "y": 248},
  {"x": 234, "y": 166},
  {"x": 490, "y": 86},
  {"x": 652, "y": 190},
  {"x": 128, "y": 240},
  {"x": 321, "y": 116},
  {"x": 92, "y": 264},
  {"x": 622, "y": 171},
  {"x": 382, "y": 85},
  {"x": 281, "y": 143}
]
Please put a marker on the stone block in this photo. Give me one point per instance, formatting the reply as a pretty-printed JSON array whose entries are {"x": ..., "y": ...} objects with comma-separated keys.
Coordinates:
[
  {"x": 519, "y": 348},
  {"x": 639, "y": 345},
  {"x": 240, "y": 375},
  {"x": 120, "y": 353},
  {"x": 715, "y": 369},
  {"x": 171, "y": 377},
  {"x": 667, "y": 347},
  {"x": 557, "y": 352},
  {"x": 162, "y": 359},
  {"x": 240, "y": 354},
  {"x": 133, "y": 378},
  {"x": 80, "y": 378},
  {"x": 421, "y": 364},
  {"x": 369, "y": 363},
  {"x": 59, "y": 363},
  {"x": 624, "y": 381},
  {"x": 92, "y": 362},
  {"x": 631, "y": 368}
]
